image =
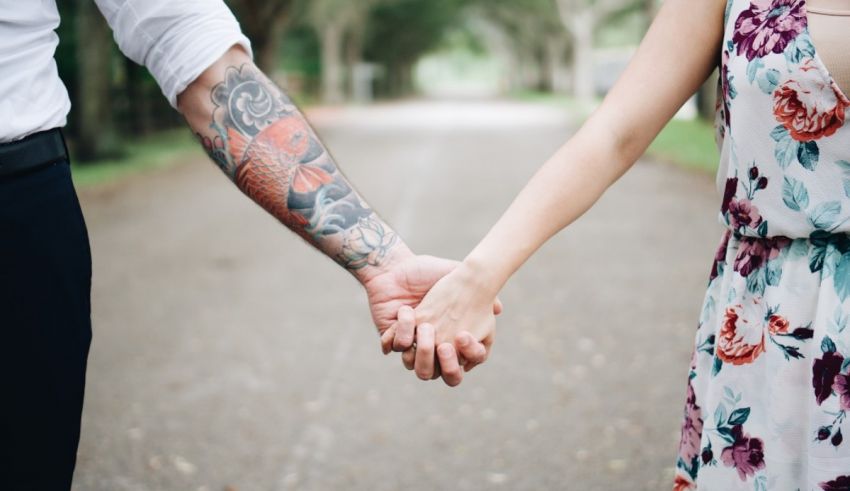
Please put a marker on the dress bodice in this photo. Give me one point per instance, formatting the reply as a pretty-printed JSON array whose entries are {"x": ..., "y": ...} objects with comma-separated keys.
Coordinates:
[{"x": 784, "y": 144}]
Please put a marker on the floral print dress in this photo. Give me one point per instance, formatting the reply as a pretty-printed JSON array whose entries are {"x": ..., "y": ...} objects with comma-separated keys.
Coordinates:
[{"x": 768, "y": 392}]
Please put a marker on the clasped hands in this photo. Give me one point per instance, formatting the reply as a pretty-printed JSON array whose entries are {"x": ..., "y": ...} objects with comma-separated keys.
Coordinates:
[{"x": 440, "y": 314}]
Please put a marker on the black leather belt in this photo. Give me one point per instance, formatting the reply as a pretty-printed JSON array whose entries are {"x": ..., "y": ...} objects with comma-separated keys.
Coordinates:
[{"x": 31, "y": 152}]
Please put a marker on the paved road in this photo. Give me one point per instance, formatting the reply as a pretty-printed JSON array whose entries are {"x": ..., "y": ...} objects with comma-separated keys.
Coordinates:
[{"x": 228, "y": 356}]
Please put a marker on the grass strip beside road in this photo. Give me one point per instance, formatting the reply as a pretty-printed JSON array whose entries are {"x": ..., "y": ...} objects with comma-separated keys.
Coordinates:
[
  {"x": 140, "y": 155},
  {"x": 689, "y": 143},
  {"x": 686, "y": 142}
]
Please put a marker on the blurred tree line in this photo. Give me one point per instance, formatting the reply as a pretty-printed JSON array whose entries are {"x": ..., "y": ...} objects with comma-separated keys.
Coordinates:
[
  {"x": 310, "y": 46},
  {"x": 329, "y": 49}
]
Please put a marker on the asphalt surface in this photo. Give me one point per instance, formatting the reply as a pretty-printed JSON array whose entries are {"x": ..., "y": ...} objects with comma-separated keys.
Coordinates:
[{"x": 227, "y": 355}]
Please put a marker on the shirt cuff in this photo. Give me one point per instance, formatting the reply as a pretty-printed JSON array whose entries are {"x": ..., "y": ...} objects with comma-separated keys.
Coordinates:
[{"x": 185, "y": 71}]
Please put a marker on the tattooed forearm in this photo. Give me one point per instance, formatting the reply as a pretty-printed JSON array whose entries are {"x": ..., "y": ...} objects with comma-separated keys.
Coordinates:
[{"x": 261, "y": 141}]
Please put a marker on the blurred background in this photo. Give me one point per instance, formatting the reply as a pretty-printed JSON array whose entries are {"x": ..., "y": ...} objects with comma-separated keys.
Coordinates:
[{"x": 229, "y": 356}]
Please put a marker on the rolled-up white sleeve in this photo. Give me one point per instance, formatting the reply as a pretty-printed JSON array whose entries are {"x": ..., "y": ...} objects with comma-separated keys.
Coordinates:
[{"x": 175, "y": 39}]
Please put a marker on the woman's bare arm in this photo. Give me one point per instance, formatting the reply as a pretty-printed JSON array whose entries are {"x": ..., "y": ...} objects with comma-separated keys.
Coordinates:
[
  {"x": 680, "y": 50},
  {"x": 678, "y": 53}
]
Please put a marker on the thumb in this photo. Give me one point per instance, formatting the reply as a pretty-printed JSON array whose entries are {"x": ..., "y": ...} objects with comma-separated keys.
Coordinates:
[
  {"x": 498, "y": 307},
  {"x": 472, "y": 350}
]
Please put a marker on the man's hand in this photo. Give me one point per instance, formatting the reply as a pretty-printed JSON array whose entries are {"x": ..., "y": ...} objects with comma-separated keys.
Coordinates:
[
  {"x": 457, "y": 315},
  {"x": 257, "y": 136},
  {"x": 392, "y": 297}
]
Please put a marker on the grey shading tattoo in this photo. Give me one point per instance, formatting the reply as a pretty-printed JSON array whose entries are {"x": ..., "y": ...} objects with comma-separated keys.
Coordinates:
[{"x": 263, "y": 143}]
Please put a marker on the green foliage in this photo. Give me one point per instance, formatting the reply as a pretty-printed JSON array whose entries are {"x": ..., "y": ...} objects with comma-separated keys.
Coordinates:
[
  {"x": 685, "y": 142},
  {"x": 163, "y": 149},
  {"x": 299, "y": 51},
  {"x": 689, "y": 143},
  {"x": 400, "y": 31}
]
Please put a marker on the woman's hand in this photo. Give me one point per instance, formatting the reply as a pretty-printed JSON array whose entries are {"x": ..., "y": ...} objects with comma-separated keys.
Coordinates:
[{"x": 457, "y": 313}]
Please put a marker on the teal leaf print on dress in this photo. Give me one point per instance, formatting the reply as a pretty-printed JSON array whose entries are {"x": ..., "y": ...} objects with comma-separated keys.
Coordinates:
[
  {"x": 839, "y": 323},
  {"x": 786, "y": 147},
  {"x": 830, "y": 261},
  {"x": 808, "y": 154},
  {"x": 845, "y": 168},
  {"x": 730, "y": 397},
  {"x": 768, "y": 81},
  {"x": 825, "y": 214},
  {"x": 756, "y": 283},
  {"x": 753, "y": 68},
  {"x": 798, "y": 249},
  {"x": 799, "y": 49},
  {"x": 739, "y": 416},
  {"x": 720, "y": 415},
  {"x": 817, "y": 258},
  {"x": 794, "y": 194},
  {"x": 707, "y": 309},
  {"x": 827, "y": 345},
  {"x": 779, "y": 133},
  {"x": 715, "y": 368},
  {"x": 774, "y": 271},
  {"x": 842, "y": 277}
]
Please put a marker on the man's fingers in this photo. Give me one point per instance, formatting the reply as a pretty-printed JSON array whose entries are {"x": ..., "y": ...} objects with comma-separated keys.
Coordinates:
[
  {"x": 387, "y": 339},
  {"x": 447, "y": 356},
  {"x": 409, "y": 358},
  {"x": 437, "y": 373},
  {"x": 424, "y": 364},
  {"x": 405, "y": 328}
]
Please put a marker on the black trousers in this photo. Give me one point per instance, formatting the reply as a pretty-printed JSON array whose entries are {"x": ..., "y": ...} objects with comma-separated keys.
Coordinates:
[{"x": 45, "y": 328}]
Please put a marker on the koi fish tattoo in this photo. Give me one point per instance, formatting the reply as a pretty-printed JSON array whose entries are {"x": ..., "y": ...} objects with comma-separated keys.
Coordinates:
[{"x": 263, "y": 143}]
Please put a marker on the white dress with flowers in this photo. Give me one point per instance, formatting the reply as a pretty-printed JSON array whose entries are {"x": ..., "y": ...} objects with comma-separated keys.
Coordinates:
[{"x": 769, "y": 387}]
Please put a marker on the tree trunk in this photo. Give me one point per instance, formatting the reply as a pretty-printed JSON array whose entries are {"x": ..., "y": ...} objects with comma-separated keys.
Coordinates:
[
  {"x": 264, "y": 22},
  {"x": 554, "y": 56},
  {"x": 514, "y": 70},
  {"x": 649, "y": 8},
  {"x": 139, "y": 117},
  {"x": 707, "y": 97},
  {"x": 267, "y": 53},
  {"x": 95, "y": 127},
  {"x": 399, "y": 79},
  {"x": 353, "y": 57},
  {"x": 582, "y": 27},
  {"x": 332, "y": 64}
]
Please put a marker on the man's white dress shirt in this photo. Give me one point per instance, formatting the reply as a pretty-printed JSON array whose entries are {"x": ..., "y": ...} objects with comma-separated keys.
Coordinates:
[{"x": 175, "y": 39}]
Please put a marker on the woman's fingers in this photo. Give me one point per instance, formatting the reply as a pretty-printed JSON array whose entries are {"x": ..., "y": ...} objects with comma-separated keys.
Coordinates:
[
  {"x": 387, "y": 338},
  {"x": 405, "y": 328},
  {"x": 487, "y": 343},
  {"x": 498, "y": 307},
  {"x": 472, "y": 351},
  {"x": 449, "y": 365},
  {"x": 424, "y": 363}
]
